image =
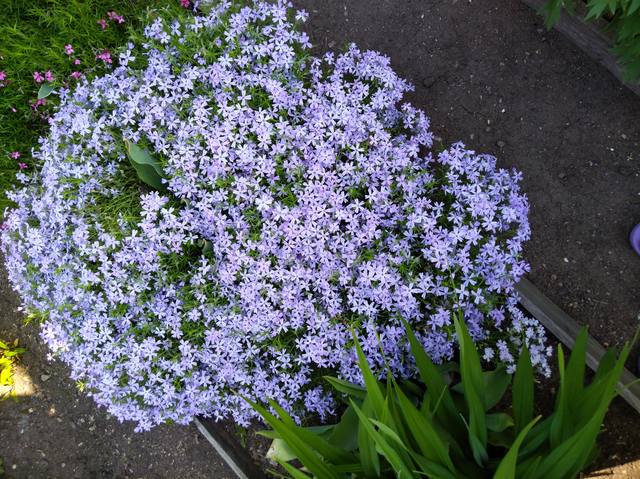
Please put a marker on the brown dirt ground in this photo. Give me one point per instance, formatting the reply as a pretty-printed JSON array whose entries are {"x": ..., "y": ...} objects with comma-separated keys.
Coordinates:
[{"x": 488, "y": 73}]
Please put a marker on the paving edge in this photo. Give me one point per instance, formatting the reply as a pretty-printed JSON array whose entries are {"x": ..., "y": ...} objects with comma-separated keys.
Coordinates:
[
  {"x": 590, "y": 38},
  {"x": 231, "y": 452},
  {"x": 566, "y": 329}
]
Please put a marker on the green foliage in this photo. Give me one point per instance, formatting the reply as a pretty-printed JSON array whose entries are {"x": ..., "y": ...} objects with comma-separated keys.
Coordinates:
[
  {"x": 624, "y": 17},
  {"x": 148, "y": 168},
  {"x": 33, "y": 35},
  {"x": 448, "y": 427},
  {"x": 8, "y": 355}
]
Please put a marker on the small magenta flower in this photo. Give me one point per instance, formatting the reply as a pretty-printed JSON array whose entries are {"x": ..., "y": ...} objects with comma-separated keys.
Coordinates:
[
  {"x": 22, "y": 166},
  {"x": 38, "y": 103},
  {"x": 15, "y": 155},
  {"x": 68, "y": 49},
  {"x": 48, "y": 75},
  {"x": 105, "y": 56},
  {"x": 3, "y": 75},
  {"x": 103, "y": 23},
  {"x": 185, "y": 3},
  {"x": 76, "y": 75},
  {"x": 77, "y": 61},
  {"x": 114, "y": 17},
  {"x": 13, "y": 109},
  {"x": 37, "y": 76}
]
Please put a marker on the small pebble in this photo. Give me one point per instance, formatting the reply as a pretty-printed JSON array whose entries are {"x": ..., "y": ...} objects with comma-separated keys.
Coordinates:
[
  {"x": 562, "y": 176},
  {"x": 45, "y": 377},
  {"x": 501, "y": 144}
]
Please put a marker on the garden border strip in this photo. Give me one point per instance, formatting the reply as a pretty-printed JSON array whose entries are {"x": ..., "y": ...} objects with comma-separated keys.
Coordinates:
[
  {"x": 237, "y": 457},
  {"x": 566, "y": 329},
  {"x": 589, "y": 38}
]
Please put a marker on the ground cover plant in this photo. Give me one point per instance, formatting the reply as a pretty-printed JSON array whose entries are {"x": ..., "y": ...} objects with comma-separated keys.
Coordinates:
[
  {"x": 624, "y": 18},
  {"x": 213, "y": 217},
  {"x": 452, "y": 424}
]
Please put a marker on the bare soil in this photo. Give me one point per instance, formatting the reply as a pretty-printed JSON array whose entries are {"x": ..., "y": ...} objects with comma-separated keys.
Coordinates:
[{"x": 487, "y": 73}]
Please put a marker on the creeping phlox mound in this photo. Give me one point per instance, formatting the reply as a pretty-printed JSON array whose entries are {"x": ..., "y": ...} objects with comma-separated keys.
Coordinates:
[{"x": 301, "y": 202}]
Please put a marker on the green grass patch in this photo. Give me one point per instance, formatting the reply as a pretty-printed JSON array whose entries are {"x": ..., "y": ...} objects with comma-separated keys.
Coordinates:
[{"x": 33, "y": 36}]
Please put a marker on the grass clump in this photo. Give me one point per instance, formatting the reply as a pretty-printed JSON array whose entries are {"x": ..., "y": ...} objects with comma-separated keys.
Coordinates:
[{"x": 34, "y": 50}]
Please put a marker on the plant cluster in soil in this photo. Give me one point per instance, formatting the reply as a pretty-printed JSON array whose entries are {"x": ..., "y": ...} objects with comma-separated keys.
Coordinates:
[{"x": 486, "y": 72}]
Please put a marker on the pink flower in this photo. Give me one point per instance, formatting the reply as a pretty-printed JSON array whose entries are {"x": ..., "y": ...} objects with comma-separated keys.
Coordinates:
[
  {"x": 114, "y": 17},
  {"x": 185, "y": 3},
  {"x": 105, "y": 56},
  {"x": 22, "y": 166},
  {"x": 3, "y": 76},
  {"x": 103, "y": 23},
  {"x": 76, "y": 75},
  {"x": 48, "y": 75},
  {"x": 68, "y": 49},
  {"x": 13, "y": 109},
  {"x": 77, "y": 61},
  {"x": 15, "y": 155},
  {"x": 38, "y": 103},
  {"x": 37, "y": 76}
]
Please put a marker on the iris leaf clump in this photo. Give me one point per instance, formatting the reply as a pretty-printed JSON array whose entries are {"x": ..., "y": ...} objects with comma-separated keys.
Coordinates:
[{"x": 449, "y": 425}]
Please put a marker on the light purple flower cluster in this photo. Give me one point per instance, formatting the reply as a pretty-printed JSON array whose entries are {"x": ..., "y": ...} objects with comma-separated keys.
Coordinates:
[{"x": 302, "y": 201}]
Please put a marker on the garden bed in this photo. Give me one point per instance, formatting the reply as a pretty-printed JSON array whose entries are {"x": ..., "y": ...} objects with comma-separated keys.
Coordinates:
[{"x": 489, "y": 73}]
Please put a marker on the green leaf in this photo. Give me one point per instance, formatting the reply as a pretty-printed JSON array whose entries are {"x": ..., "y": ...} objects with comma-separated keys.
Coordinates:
[
  {"x": 331, "y": 453},
  {"x": 558, "y": 422},
  {"x": 45, "y": 90},
  {"x": 635, "y": 5},
  {"x": 305, "y": 453},
  {"x": 496, "y": 384},
  {"x": 374, "y": 392},
  {"x": 147, "y": 168},
  {"x": 522, "y": 393},
  {"x": 350, "y": 389},
  {"x": 366, "y": 446},
  {"x": 401, "y": 469},
  {"x": 431, "y": 445},
  {"x": 498, "y": 422},
  {"x": 280, "y": 451},
  {"x": 507, "y": 467},
  {"x": 441, "y": 401},
  {"x": 345, "y": 433},
  {"x": 552, "y": 10},
  {"x": 471, "y": 372},
  {"x": 295, "y": 473}
]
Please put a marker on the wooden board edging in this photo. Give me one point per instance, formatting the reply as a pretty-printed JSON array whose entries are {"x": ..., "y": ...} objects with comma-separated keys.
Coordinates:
[
  {"x": 566, "y": 329},
  {"x": 229, "y": 449},
  {"x": 589, "y": 38}
]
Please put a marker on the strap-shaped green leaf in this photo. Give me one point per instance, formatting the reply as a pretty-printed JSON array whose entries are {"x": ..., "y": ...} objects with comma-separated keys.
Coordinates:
[
  {"x": 507, "y": 467},
  {"x": 522, "y": 392}
]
